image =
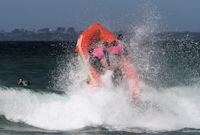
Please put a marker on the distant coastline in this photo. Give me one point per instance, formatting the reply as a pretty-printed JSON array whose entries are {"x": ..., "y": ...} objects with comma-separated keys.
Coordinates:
[
  {"x": 71, "y": 35},
  {"x": 45, "y": 34}
]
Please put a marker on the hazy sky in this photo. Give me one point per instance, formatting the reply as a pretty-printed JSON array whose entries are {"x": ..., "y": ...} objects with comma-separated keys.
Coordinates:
[{"x": 170, "y": 15}]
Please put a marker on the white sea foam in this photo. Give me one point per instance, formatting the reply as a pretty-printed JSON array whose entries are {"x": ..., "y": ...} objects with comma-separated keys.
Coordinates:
[{"x": 166, "y": 109}]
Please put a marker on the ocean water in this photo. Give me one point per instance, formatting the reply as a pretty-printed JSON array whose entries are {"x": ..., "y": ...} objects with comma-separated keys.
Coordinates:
[{"x": 58, "y": 102}]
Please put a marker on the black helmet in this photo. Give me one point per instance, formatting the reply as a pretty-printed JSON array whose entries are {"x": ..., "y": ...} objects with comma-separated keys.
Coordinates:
[
  {"x": 106, "y": 44},
  {"x": 113, "y": 43},
  {"x": 120, "y": 36}
]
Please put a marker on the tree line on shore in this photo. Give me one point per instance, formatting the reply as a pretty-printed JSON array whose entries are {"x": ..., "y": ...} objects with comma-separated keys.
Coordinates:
[
  {"x": 44, "y": 34},
  {"x": 71, "y": 35}
]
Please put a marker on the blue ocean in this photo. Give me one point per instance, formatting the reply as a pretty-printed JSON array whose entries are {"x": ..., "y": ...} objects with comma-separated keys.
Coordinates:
[{"x": 58, "y": 102}]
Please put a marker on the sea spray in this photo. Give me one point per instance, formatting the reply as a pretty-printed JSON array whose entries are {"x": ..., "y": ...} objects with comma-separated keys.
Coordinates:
[{"x": 166, "y": 109}]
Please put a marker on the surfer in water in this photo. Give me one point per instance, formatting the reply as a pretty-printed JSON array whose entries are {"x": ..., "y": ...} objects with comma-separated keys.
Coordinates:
[{"x": 24, "y": 83}]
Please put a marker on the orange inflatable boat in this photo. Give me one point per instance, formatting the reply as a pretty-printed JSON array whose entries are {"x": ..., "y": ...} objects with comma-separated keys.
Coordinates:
[{"x": 97, "y": 33}]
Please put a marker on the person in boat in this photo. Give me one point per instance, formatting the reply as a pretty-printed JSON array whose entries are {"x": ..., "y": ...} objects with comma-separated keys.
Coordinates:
[
  {"x": 108, "y": 56},
  {"x": 23, "y": 82},
  {"x": 97, "y": 56}
]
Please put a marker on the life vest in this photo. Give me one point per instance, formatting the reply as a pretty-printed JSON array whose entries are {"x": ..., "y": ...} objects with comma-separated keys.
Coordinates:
[{"x": 98, "y": 52}]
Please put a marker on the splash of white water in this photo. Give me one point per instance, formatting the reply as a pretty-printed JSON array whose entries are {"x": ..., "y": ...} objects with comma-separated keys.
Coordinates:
[{"x": 166, "y": 109}]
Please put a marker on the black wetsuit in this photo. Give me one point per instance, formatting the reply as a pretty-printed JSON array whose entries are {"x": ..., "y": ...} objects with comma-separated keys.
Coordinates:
[{"x": 95, "y": 62}]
